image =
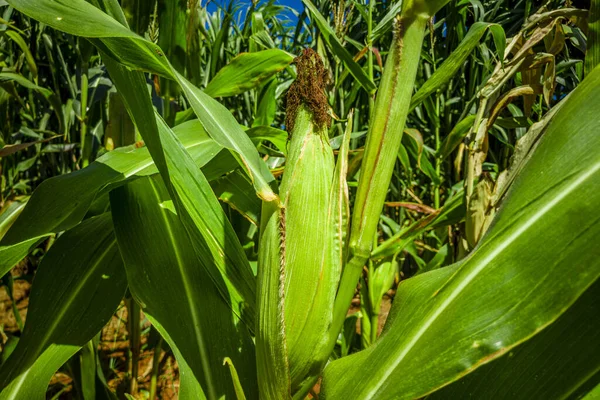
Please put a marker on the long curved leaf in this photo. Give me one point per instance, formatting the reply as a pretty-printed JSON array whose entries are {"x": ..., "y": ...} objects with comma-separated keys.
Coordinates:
[
  {"x": 162, "y": 265},
  {"x": 78, "y": 286},
  {"x": 80, "y": 18},
  {"x": 213, "y": 237},
  {"x": 9, "y": 214},
  {"x": 386, "y": 22},
  {"x": 336, "y": 47},
  {"x": 509, "y": 288},
  {"x": 61, "y": 202},
  {"x": 563, "y": 361},
  {"x": 248, "y": 71},
  {"x": 457, "y": 58}
]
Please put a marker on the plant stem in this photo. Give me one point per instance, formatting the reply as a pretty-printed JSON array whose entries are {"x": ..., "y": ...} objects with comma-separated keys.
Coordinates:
[
  {"x": 383, "y": 143},
  {"x": 155, "y": 369},
  {"x": 133, "y": 314},
  {"x": 84, "y": 102},
  {"x": 370, "y": 54}
]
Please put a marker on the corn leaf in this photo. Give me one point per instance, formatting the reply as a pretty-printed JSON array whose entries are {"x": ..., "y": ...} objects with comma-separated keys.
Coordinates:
[
  {"x": 236, "y": 190},
  {"x": 276, "y": 136},
  {"x": 18, "y": 39},
  {"x": 560, "y": 362},
  {"x": 385, "y": 24},
  {"x": 160, "y": 259},
  {"x": 61, "y": 202},
  {"x": 213, "y": 238},
  {"x": 83, "y": 19},
  {"x": 457, "y": 58},
  {"x": 9, "y": 214},
  {"x": 47, "y": 93},
  {"x": 336, "y": 47},
  {"x": 247, "y": 71},
  {"x": 267, "y": 105},
  {"x": 507, "y": 290},
  {"x": 456, "y": 136},
  {"x": 592, "y": 55},
  {"x": 80, "y": 283}
]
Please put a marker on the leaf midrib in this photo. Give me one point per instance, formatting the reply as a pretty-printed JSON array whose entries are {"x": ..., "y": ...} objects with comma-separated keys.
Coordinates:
[
  {"x": 371, "y": 390},
  {"x": 189, "y": 298}
]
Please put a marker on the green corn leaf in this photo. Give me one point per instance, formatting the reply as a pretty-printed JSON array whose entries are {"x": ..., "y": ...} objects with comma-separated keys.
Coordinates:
[
  {"x": 456, "y": 60},
  {"x": 80, "y": 18},
  {"x": 173, "y": 23},
  {"x": 456, "y": 136},
  {"x": 214, "y": 240},
  {"x": 592, "y": 55},
  {"x": 499, "y": 41},
  {"x": 47, "y": 93},
  {"x": 80, "y": 282},
  {"x": 160, "y": 259},
  {"x": 112, "y": 8},
  {"x": 336, "y": 47},
  {"x": 549, "y": 365},
  {"x": 276, "y": 136},
  {"x": 452, "y": 212},
  {"x": 412, "y": 141},
  {"x": 239, "y": 390},
  {"x": 593, "y": 394},
  {"x": 225, "y": 130},
  {"x": 61, "y": 202},
  {"x": 267, "y": 105},
  {"x": 16, "y": 37},
  {"x": 236, "y": 190},
  {"x": 9, "y": 214},
  {"x": 93, "y": 380},
  {"x": 385, "y": 24},
  {"x": 189, "y": 387},
  {"x": 220, "y": 38},
  {"x": 121, "y": 130},
  {"x": 259, "y": 29},
  {"x": 507, "y": 290},
  {"x": 248, "y": 71}
]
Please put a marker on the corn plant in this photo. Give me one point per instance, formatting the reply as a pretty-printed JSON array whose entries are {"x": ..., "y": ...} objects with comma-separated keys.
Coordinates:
[{"x": 515, "y": 313}]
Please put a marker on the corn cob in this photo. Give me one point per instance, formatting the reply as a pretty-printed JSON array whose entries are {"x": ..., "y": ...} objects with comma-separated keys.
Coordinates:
[
  {"x": 302, "y": 245},
  {"x": 310, "y": 280}
]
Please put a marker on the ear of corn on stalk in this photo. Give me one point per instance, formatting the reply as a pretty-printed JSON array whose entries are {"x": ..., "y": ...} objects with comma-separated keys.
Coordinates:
[{"x": 303, "y": 242}]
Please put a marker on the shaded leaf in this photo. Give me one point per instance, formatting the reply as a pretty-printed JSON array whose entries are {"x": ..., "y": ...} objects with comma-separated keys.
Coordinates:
[
  {"x": 77, "y": 288},
  {"x": 160, "y": 258}
]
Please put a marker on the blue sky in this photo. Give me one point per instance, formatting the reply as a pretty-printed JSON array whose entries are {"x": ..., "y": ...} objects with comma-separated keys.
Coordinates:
[{"x": 296, "y": 4}]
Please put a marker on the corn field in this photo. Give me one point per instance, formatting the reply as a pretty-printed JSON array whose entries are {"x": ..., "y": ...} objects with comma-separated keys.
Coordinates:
[{"x": 315, "y": 199}]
